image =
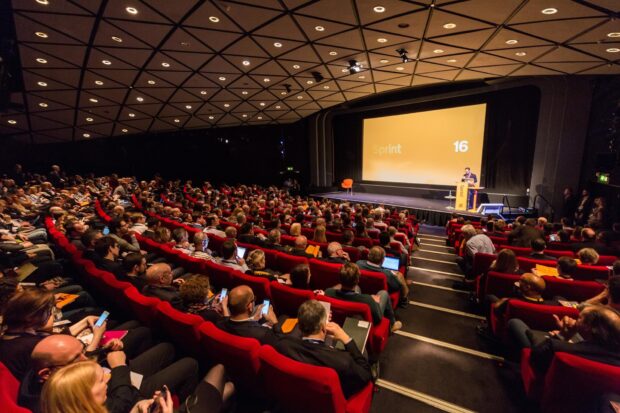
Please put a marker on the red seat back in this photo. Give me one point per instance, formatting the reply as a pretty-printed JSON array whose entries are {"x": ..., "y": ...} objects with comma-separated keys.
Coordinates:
[
  {"x": 286, "y": 300},
  {"x": 324, "y": 274},
  {"x": 372, "y": 281},
  {"x": 500, "y": 284},
  {"x": 287, "y": 262},
  {"x": 482, "y": 262},
  {"x": 537, "y": 316},
  {"x": 591, "y": 272},
  {"x": 219, "y": 275},
  {"x": 572, "y": 290},
  {"x": 180, "y": 327},
  {"x": 9, "y": 388},
  {"x": 260, "y": 285},
  {"x": 140, "y": 306}
]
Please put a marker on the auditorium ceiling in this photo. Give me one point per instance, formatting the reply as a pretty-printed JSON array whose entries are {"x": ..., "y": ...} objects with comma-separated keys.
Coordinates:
[{"x": 94, "y": 68}]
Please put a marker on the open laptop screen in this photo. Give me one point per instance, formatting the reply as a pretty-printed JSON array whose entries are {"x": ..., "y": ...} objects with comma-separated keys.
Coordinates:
[{"x": 391, "y": 263}]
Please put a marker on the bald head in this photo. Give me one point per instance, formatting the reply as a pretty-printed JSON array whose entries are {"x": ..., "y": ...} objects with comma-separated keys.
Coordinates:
[
  {"x": 301, "y": 242},
  {"x": 588, "y": 234},
  {"x": 239, "y": 300},
  {"x": 159, "y": 273},
  {"x": 55, "y": 351},
  {"x": 531, "y": 285},
  {"x": 333, "y": 248}
]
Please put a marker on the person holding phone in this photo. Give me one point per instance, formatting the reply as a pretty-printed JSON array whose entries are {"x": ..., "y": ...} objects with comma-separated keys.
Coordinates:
[{"x": 229, "y": 257}]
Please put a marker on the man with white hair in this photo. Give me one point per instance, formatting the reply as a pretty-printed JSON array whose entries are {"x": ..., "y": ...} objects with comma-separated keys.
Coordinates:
[
  {"x": 335, "y": 254},
  {"x": 473, "y": 242}
]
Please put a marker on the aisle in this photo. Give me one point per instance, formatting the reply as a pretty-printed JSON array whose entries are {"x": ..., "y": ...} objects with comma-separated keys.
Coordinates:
[{"x": 437, "y": 362}]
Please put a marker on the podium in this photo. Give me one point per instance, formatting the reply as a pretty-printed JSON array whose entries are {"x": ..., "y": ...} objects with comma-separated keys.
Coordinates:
[{"x": 463, "y": 191}]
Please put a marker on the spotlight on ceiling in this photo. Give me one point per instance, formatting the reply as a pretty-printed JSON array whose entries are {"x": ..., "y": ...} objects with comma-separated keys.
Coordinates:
[
  {"x": 354, "y": 66},
  {"x": 287, "y": 87},
  {"x": 318, "y": 77},
  {"x": 403, "y": 55}
]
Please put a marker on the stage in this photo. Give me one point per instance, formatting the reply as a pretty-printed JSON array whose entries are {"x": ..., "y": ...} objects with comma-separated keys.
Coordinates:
[{"x": 428, "y": 210}]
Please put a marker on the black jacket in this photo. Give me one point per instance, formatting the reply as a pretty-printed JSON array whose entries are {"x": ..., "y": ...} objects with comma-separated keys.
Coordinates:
[
  {"x": 165, "y": 293},
  {"x": 543, "y": 354},
  {"x": 250, "y": 329}
]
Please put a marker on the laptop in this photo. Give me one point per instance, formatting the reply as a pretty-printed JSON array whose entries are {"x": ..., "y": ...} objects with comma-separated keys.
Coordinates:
[
  {"x": 358, "y": 330},
  {"x": 241, "y": 252},
  {"x": 391, "y": 263}
]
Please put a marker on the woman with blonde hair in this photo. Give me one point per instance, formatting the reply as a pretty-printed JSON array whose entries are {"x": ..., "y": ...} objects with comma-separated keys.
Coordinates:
[
  {"x": 319, "y": 234},
  {"x": 256, "y": 263},
  {"x": 82, "y": 388},
  {"x": 295, "y": 229},
  {"x": 588, "y": 256}
]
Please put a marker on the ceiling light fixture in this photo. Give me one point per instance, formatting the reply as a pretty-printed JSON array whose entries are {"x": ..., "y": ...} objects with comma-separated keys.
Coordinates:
[
  {"x": 165, "y": 64},
  {"x": 226, "y": 105},
  {"x": 613, "y": 34},
  {"x": 326, "y": 87},
  {"x": 244, "y": 116},
  {"x": 277, "y": 44},
  {"x": 361, "y": 77},
  {"x": 384, "y": 61},
  {"x": 333, "y": 53},
  {"x": 86, "y": 135},
  {"x": 42, "y": 84},
  {"x": 244, "y": 92},
  {"x": 188, "y": 107},
  {"x": 150, "y": 82},
  {"x": 12, "y": 121},
  {"x": 93, "y": 100},
  {"x": 310, "y": 82},
  {"x": 451, "y": 60},
  {"x": 612, "y": 50},
  {"x": 211, "y": 117},
  {"x": 140, "y": 99},
  {"x": 41, "y": 60},
  {"x": 185, "y": 44},
  {"x": 550, "y": 10},
  {"x": 89, "y": 119},
  {"x": 117, "y": 39},
  {"x": 319, "y": 28},
  {"x": 262, "y": 103},
  {"x": 43, "y": 2},
  {"x": 260, "y": 118},
  {"x": 400, "y": 68},
  {"x": 124, "y": 130},
  {"x": 296, "y": 67},
  {"x": 214, "y": 19},
  {"x": 300, "y": 97},
  {"x": 449, "y": 26},
  {"x": 283, "y": 93},
  {"x": 222, "y": 78},
  {"x": 278, "y": 106},
  {"x": 378, "y": 9},
  {"x": 132, "y": 115},
  {"x": 106, "y": 62},
  {"x": 512, "y": 41},
  {"x": 266, "y": 80},
  {"x": 131, "y": 10},
  {"x": 98, "y": 82},
  {"x": 521, "y": 54},
  {"x": 246, "y": 63},
  {"x": 43, "y": 35},
  {"x": 177, "y": 121},
  {"x": 43, "y": 104},
  {"x": 203, "y": 92},
  {"x": 382, "y": 40},
  {"x": 354, "y": 66},
  {"x": 437, "y": 51}
]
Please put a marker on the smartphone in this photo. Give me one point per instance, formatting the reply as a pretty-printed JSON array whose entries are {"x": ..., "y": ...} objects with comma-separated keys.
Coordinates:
[
  {"x": 223, "y": 294},
  {"x": 102, "y": 318},
  {"x": 205, "y": 244},
  {"x": 554, "y": 238},
  {"x": 155, "y": 407},
  {"x": 265, "y": 309},
  {"x": 106, "y": 231}
]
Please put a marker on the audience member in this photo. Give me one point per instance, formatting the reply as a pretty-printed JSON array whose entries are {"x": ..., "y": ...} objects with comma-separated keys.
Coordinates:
[
  {"x": 395, "y": 279},
  {"x": 159, "y": 283}
]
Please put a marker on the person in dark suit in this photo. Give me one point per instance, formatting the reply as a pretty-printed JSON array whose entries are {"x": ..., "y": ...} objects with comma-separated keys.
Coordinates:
[
  {"x": 336, "y": 255},
  {"x": 523, "y": 235},
  {"x": 134, "y": 269},
  {"x": 538, "y": 250},
  {"x": 159, "y": 283},
  {"x": 108, "y": 251},
  {"x": 246, "y": 320},
  {"x": 351, "y": 366},
  {"x": 472, "y": 179},
  {"x": 246, "y": 235}
]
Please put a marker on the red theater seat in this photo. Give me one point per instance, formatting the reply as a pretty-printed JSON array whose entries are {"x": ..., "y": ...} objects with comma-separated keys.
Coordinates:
[
  {"x": 287, "y": 262},
  {"x": 180, "y": 327},
  {"x": 141, "y": 307},
  {"x": 286, "y": 300},
  {"x": 9, "y": 388},
  {"x": 260, "y": 285}
]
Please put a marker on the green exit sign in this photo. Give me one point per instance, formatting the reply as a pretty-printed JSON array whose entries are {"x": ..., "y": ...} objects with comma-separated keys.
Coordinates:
[{"x": 289, "y": 168}]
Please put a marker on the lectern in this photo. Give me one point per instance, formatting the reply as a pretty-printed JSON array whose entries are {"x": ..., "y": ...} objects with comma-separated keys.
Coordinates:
[{"x": 462, "y": 196}]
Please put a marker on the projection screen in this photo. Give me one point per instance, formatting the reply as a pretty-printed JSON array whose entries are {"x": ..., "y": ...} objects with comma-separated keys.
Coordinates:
[{"x": 430, "y": 147}]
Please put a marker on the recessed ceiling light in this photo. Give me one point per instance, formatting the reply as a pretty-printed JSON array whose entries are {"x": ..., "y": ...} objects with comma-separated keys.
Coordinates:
[
  {"x": 612, "y": 50},
  {"x": 188, "y": 106},
  {"x": 124, "y": 130},
  {"x": 244, "y": 116},
  {"x": 244, "y": 92},
  {"x": 43, "y": 35},
  {"x": 262, "y": 103},
  {"x": 277, "y": 44},
  {"x": 42, "y": 84},
  {"x": 550, "y": 10},
  {"x": 512, "y": 41},
  {"x": 12, "y": 121},
  {"x": 378, "y": 9},
  {"x": 214, "y": 19},
  {"x": 93, "y": 100},
  {"x": 382, "y": 40},
  {"x": 283, "y": 93},
  {"x": 117, "y": 39},
  {"x": 384, "y": 61},
  {"x": 177, "y": 121},
  {"x": 203, "y": 92},
  {"x": 278, "y": 106},
  {"x": 165, "y": 64},
  {"x": 613, "y": 34},
  {"x": 150, "y": 82},
  {"x": 309, "y": 82},
  {"x": 41, "y": 60},
  {"x": 260, "y": 118},
  {"x": 131, "y": 10},
  {"x": 222, "y": 78},
  {"x": 296, "y": 67},
  {"x": 106, "y": 62},
  {"x": 98, "y": 82},
  {"x": 300, "y": 97},
  {"x": 451, "y": 60},
  {"x": 211, "y": 117},
  {"x": 246, "y": 63},
  {"x": 140, "y": 99},
  {"x": 89, "y": 119},
  {"x": 43, "y": 104},
  {"x": 449, "y": 26},
  {"x": 438, "y": 51},
  {"x": 86, "y": 135},
  {"x": 43, "y": 2},
  {"x": 344, "y": 70},
  {"x": 521, "y": 54},
  {"x": 400, "y": 68},
  {"x": 319, "y": 28},
  {"x": 131, "y": 115},
  {"x": 185, "y": 44},
  {"x": 361, "y": 77},
  {"x": 333, "y": 53},
  {"x": 326, "y": 87},
  {"x": 226, "y": 105},
  {"x": 266, "y": 80}
]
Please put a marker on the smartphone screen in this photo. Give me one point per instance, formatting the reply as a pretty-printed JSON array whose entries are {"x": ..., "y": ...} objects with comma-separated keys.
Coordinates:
[
  {"x": 102, "y": 319},
  {"x": 106, "y": 231},
  {"x": 265, "y": 309},
  {"x": 205, "y": 244},
  {"x": 223, "y": 294}
]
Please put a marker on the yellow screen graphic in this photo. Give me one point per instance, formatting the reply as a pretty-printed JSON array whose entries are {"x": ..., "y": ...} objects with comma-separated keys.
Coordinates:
[{"x": 430, "y": 147}]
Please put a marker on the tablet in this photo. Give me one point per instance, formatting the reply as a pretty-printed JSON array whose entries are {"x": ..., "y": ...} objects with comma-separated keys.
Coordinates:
[
  {"x": 241, "y": 252},
  {"x": 391, "y": 263}
]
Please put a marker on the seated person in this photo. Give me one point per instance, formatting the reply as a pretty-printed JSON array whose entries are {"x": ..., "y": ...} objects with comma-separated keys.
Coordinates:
[
  {"x": 300, "y": 277},
  {"x": 246, "y": 235},
  {"x": 335, "y": 254},
  {"x": 213, "y": 222},
  {"x": 384, "y": 242},
  {"x": 395, "y": 279},
  {"x": 195, "y": 293},
  {"x": 610, "y": 296},
  {"x": 530, "y": 288},
  {"x": 566, "y": 267},
  {"x": 89, "y": 238},
  {"x": 134, "y": 270},
  {"x": 257, "y": 266},
  {"x": 472, "y": 243},
  {"x": 379, "y": 303},
  {"x": 201, "y": 250},
  {"x": 392, "y": 231},
  {"x": 246, "y": 320},
  {"x": 351, "y": 366},
  {"x": 138, "y": 223},
  {"x": 595, "y": 335},
  {"x": 588, "y": 256},
  {"x": 538, "y": 250},
  {"x": 160, "y": 284},
  {"x": 231, "y": 233},
  {"x": 181, "y": 241},
  {"x": 229, "y": 257},
  {"x": 274, "y": 240},
  {"x": 119, "y": 231},
  {"x": 506, "y": 262},
  {"x": 301, "y": 243},
  {"x": 108, "y": 251}
]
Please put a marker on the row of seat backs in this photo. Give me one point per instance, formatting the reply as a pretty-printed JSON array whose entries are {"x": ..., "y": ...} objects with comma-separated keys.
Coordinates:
[
  {"x": 603, "y": 260},
  {"x": 9, "y": 389}
]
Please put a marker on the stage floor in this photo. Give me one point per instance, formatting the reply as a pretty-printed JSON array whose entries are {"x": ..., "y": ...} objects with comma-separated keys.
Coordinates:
[{"x": 435, "y": 211}]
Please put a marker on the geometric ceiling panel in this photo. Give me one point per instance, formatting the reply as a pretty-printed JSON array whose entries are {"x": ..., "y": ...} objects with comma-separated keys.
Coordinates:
[{"x": 92, "y": 69}]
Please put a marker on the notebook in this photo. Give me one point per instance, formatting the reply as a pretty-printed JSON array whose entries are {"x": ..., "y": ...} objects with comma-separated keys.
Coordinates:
[
  {"x": 391, "y": 263},
  {"x": 63, "y": 299},
  {"x": 358, "y": 330},
  {"x": 111, "y": 335}
]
